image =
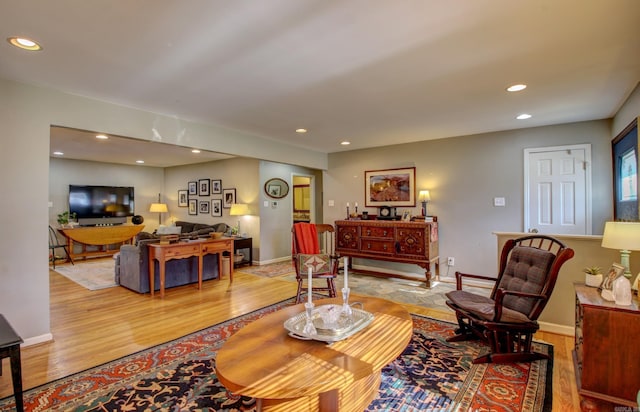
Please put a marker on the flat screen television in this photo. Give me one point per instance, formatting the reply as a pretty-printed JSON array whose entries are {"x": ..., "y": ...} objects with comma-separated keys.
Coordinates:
[{"x": 92, "y": 203}]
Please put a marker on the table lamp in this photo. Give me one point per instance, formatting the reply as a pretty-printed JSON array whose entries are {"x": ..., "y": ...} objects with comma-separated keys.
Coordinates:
[
  {"x": 159, "y": 208},
  {"x": 424, "y": 198},
  {"x": 239, "y": 209},
  {"x": 624, "y": 236}
]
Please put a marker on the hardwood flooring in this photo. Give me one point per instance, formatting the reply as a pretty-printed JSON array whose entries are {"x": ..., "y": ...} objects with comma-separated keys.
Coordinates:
[{"x": 93, "y": 327}]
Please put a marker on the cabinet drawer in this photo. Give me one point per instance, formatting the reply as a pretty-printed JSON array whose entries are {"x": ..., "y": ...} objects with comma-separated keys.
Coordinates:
[
  {"x": 347, "y": 237},
  {"x": 375, "y": 231},
  {"x": 378, "y": 246},
  {"x": 216, "y": 247},
  {"x": 412, "y": 242},
  {"x": 182, "y": 250}
]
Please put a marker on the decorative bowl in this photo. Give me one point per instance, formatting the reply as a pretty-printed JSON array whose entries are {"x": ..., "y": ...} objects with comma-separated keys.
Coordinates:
[{"x": 216, "y": 235}]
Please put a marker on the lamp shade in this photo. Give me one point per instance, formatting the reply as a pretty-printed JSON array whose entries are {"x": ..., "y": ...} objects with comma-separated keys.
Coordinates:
[
  {"x": 424, "y": 196},
  {"x": 621, "y": 235},
  {"x": 239, "y": 209},
  {"x": 158, "y": 208}
]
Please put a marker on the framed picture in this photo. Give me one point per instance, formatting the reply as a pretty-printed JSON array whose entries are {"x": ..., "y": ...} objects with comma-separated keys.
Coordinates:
[
  {"x": 391, "y": 187},
  {"x": 204, "y": 207},
  {"x": 406, "y": 216},
  {"x": 273, "y": 190},
  {"x": 606, "y": 288},
  {"x": 228, "y": 198},
  {"x": 216, "y": 187},
  {"x": 192, "y": 187},
  {"x": 203, "y": 187},
  {"x": 193, "y": 206},
  {"x": 183, "y": 198},
  {"x": 624, "y": 149},
  {"x": 216, "y": 207}
]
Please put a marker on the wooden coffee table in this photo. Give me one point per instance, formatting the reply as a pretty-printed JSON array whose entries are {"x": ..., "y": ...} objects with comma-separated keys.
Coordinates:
[{"x": 285, "y": 374}]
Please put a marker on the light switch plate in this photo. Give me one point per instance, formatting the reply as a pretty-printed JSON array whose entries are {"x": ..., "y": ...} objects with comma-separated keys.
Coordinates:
[
  {"x": 331, "y": 203},
  {"x": 266, "y": 203},
  {"x": 499, "y": 201}
]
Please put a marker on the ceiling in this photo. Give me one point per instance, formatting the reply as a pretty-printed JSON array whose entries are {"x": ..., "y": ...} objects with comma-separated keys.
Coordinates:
[{"x": 373, "y": 73}]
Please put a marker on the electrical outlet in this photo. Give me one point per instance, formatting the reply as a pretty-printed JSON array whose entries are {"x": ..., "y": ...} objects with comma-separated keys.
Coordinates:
[{"x": 451, "y": 261}]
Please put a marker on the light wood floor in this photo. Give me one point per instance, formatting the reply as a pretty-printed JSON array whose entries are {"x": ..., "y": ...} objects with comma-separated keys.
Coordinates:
[{"x": 94, "y": 327}]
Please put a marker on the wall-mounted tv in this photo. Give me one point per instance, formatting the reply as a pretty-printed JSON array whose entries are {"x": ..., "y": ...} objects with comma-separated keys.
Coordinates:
[{"x": 100, "y": 202}]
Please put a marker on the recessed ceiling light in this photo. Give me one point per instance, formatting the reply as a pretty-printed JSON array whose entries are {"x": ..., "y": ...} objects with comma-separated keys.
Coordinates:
[
  {"x": 523, "y": 116},
  {"x": 102, "y": 136},
  {"x": 58, "y": 153},
  {"x": 345, "y": 143},
  {"x": 301, "y": 130},
  {"x": 195, "y": 151},
  {"x": 516, "y": 87},
  {"x": 140, "y": 161},
  {"x": 24, "y": 43}
]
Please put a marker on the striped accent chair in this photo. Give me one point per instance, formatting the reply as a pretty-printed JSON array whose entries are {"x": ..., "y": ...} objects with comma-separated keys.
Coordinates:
[{"x": 508, "y": 318}]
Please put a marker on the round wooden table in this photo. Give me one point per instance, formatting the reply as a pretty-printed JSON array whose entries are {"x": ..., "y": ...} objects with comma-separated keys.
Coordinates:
[{"x": 284, "y": 373}]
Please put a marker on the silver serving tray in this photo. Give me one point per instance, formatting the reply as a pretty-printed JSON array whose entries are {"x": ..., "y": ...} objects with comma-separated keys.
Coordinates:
[{"x": 337, "y": 331}]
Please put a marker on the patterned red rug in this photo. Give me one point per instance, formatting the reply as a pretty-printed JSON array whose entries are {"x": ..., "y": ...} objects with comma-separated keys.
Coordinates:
[{"x": 431, "y": 374}]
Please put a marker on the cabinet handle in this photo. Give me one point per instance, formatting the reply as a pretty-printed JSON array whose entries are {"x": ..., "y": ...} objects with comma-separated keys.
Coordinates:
[
  {"x": 385, "y": 247},
  {"x": 368, "y": 245},
  {"x": 384, "y": 233},
  {"x": 368, "y": 233}
]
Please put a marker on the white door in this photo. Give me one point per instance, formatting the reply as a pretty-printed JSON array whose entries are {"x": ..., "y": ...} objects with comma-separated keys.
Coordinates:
[{"x": 557, "y": 190}]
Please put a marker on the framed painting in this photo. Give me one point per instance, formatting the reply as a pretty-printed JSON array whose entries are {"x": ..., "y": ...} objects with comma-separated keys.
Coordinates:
[
  {"x": 624, "y": 149},
  {"x": 390, "y": 187},
  {"x": 193, "y": 206},
  {"x": 216, "y": 186},
  {"x": 183, "y": 198},
  {"x": 204, "y": 207},
  {"x": 203, "y": 187},
  {"x": 228, "y": 198},
  {"x": 216, "y": 207},
  {"x": 192, "y": 187}
]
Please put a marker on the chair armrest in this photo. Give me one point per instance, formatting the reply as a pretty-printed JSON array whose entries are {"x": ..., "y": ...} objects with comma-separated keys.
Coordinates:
[{"x": 460, "y": 275}]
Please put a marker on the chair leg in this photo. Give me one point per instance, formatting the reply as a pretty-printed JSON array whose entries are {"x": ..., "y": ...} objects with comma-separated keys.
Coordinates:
[
  {"x": 299, "y": 292},
  {"x": 69, "y": 255}
]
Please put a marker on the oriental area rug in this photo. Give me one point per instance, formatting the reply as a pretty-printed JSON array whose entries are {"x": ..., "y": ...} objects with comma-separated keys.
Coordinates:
[{"x": 430, "y": 375}]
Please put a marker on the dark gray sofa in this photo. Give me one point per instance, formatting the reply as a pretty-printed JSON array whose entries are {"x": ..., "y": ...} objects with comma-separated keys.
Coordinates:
[{"x": 132, "y": 263}]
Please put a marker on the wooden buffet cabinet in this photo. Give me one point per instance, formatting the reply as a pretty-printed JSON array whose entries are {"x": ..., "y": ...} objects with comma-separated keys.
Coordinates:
[
  {"x": 607, "y": 350},
  {"x": 393, "y": 241}
]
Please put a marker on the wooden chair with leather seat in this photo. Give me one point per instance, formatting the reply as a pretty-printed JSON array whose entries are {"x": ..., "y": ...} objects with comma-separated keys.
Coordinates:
[
  {"x": 54, "y": 244},
  {"x": 508, "y": 318},
  {"x": 314, "y": 245}
]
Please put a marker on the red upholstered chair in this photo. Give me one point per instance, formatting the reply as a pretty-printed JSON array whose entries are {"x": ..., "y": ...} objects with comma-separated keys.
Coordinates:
[
  {"x": 313, "y": 246},
  {"x": 508, "y": 318}
]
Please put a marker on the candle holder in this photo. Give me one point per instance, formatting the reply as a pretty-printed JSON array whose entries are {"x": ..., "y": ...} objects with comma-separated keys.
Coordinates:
[
  {"x": 309, "y": 328},
  {"x": 346, "y": 308},
  {"x": 348, "y": 214}
]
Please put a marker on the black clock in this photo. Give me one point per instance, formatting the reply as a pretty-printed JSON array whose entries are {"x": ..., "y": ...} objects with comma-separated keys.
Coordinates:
[{"x": 387, "y": 212}]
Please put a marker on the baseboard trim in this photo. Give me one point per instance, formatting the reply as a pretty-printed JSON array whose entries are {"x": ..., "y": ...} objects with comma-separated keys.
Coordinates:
[
  {"x": 37, "y": 339},
  {"x": 557, "y": 329},
  {"x": 277, "y": 260}
]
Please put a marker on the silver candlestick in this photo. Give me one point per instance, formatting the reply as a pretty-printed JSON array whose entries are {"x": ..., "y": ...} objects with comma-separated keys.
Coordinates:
[{"x": 346, "y": 308}]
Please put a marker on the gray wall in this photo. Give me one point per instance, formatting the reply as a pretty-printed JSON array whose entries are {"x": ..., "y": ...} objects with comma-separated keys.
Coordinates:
[{"x": 463, "y": 175}]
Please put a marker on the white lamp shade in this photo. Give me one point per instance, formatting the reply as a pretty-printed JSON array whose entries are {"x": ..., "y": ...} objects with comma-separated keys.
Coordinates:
[
  {"x": 239, "y": 209},
  {"x": 158, "y": 208},
  {"x": 621, "y": 235},
  {"x": 424, "y": 196}
]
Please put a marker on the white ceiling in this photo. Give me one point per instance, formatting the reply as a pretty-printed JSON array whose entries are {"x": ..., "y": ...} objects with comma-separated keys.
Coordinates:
[{"x": 371, "y": 72}]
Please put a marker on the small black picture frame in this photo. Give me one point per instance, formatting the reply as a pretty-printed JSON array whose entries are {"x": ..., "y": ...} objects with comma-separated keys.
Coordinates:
[
  {"x": 204, "y": 207},
  {"x": 183, "y": 198},
  {"x": 193, "y": 207},
  {"x": 192, "y": 187},
  {"x": 228, "y": 197},
  {"x": 216, "y": 186},
  {"x": 216, "y": 207},
  {"x": 203, "y": 187}
]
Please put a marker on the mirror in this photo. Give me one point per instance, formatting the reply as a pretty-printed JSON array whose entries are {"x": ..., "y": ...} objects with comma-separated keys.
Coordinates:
[{"x": 276, "y": 188}]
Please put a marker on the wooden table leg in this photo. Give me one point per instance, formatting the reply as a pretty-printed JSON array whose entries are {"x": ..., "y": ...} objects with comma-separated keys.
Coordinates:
[
  {"x": 231, "y": 263},
  {"x": 152, "y": 274},
  {"x": 161, "y": 264},
  {"x": 16, "y": 376},
  {"x": 200, "y": 264}
]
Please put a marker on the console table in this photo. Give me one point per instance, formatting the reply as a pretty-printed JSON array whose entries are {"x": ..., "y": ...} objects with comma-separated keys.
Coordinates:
[
  {"x": 180, "y": 250},
  {"x": 101, "y": 236},
  {"x": 261, "y": 360},
  {"x": 394, "y": 241},
  {"x": 606, "y": 350}
]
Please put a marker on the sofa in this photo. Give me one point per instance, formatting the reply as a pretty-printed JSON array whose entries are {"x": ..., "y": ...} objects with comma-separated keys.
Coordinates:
[{"x": 132, "y": 262}]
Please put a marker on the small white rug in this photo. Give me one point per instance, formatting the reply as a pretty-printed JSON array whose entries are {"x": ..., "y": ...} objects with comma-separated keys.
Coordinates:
[{"x": 91, "y": 274}]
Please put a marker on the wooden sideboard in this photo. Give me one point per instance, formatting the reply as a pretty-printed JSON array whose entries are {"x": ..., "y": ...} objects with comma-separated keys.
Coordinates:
[
  {"x": 606, "y": 351},
  {"x": 101, "y": 237},
  {"x": 393, "y": 241}
]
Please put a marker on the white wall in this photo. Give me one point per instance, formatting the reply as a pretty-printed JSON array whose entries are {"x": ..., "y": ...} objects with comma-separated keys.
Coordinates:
[{"x": 463, "y": 175}]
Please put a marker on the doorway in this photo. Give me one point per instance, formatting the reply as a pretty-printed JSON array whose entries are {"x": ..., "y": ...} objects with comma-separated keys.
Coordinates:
[
  {"x": 302, "y": 199},
  {"x": 557, "y": 192}
]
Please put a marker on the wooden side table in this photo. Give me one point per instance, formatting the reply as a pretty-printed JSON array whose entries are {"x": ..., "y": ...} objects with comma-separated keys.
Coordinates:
[
  {"x": 10, "y": 348},
  {"x": 243, "y": 243}
]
